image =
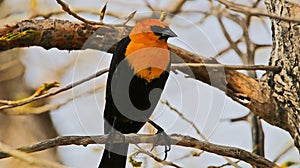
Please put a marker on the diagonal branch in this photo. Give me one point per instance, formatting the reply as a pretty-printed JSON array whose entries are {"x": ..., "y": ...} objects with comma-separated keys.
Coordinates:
[
  {"x": 67, "y": 87},
  {"x": 28, "y": 158},
  {"x": 176, "y": 139},
  {"x": 156, "y": 158}
]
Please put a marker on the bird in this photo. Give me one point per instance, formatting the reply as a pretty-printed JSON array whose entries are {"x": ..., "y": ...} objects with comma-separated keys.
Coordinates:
[{"x": 137, "y": 76}]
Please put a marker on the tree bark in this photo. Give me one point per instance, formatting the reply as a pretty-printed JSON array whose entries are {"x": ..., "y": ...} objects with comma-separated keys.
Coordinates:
[{"x": 285, "y": 84}]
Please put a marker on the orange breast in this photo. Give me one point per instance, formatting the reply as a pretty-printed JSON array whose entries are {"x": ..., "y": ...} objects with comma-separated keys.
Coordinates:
[{"x": 148, "y": 60}]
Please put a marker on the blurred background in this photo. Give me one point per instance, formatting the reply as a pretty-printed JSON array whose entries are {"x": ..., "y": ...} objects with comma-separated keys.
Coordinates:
[{"x": 79, "y": 111}]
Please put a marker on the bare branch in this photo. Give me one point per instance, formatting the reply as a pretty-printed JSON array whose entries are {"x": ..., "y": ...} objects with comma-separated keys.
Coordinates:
[
  {"x": 27, "y": 158},
  {"x": 50, "y": 14},
  {"x": 287, "y": 149},
  {"x": 226, "y": 164},
  {"x": 196, "y": 129},
  {"x": 178, "y": 140},
  {"x": 23, "y": 110},
  {"x": 229, "y": 67},
  {"x": 185, "y": 119},
  {"x": 254, "y": 12},
  {"x": 67, "y": 9},
  {"x": 66, "y": 88},
  {"x": 128, "y": 18},
  {"x": 39, "y": 92},
  {"x": 232, "y": 44},
  {"x": 149, "y": 5},
  {"x": 227, "y": 49},
  {"x": 157, "y": 159}
]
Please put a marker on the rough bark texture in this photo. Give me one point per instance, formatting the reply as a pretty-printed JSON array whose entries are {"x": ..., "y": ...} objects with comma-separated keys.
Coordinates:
[
  {"x": 61, "y": 34},
  {"x": 286, "y": 53}
]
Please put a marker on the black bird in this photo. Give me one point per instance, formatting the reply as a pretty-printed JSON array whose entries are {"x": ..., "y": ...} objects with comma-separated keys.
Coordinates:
[{"x": 138, "y": 73}]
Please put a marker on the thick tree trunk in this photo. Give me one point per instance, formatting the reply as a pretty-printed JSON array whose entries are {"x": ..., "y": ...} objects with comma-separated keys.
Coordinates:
[{"x": 286, "y": 53}]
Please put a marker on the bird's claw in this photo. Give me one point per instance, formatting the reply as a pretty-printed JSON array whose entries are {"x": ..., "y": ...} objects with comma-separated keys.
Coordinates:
[
  {"x": 167, "y": 141},
  {"x": 113, "y": 133}
]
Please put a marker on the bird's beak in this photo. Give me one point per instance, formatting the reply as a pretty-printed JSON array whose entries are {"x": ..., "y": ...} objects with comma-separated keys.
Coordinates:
[{"x": 167, "y": 32}]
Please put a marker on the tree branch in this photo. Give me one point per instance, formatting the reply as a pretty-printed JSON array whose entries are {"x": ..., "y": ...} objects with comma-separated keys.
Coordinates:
[
  {"x": 156, "y": 158},
  {"x": 67, "y": 87},
  {"x": 67, "y": 9},
  {"x": 254, "y": 12},
  {"x": 27, "y": 158},
  {"x": 178, "y": 140},
  {"x": 229, "y": 67},
  {"x": 196, "y": 129},
  {"x": 61, "y": 34}
]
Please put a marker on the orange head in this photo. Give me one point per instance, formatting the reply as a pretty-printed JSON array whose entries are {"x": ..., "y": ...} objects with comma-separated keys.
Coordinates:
[
  {"x": 147, "y": 52},
  {"x": 151, "y": 29}
]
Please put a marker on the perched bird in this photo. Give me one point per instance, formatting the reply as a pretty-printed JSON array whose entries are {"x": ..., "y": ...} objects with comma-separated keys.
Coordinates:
[{"x": 138, "y": 73}]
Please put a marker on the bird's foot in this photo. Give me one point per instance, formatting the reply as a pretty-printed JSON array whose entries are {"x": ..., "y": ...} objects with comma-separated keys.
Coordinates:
[
  {"x": 161, "y": 136},
  {"x": 112, "y": 135}
]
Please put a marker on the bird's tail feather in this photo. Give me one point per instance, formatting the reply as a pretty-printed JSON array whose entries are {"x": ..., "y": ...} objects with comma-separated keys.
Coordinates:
[{"x": 115, "y": 156}]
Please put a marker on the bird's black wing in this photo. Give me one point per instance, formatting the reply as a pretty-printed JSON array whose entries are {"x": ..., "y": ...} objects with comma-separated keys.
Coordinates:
[
  {"x": 114, "y": 81},
  {"x": 118, "y": 56}
]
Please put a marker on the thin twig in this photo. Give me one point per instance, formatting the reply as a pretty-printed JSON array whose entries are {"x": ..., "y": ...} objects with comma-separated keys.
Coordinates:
[
  {"x": 226, "y": 164},
  {"x": 196, "y": 129},
  {"x": 254, "y": 12},
  {"x": 206, "y": 15},
  {"x": 229, "y": 67},
  {"x": 175, "y": 139},
  {"x": 185, "y": 119},
  {"x": 157, "y": 159},
  {"x": 47, "y": 107},
  {"x": 66, "y": 88},
  {"x": 259, "y": 46},
  {"x": 129, "y": 17},
  {"x": 287, "y": 149},
  {"x": 227, "y": 49},
  {"x": 232, "y": 44},
  {"x": 149, "y": 5},
  {"x": 27, "y": 158},
  {"x": 67, "y": 9},
  {"x": 40, "y": 91},
  {"x": 50, "y": 14}
]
